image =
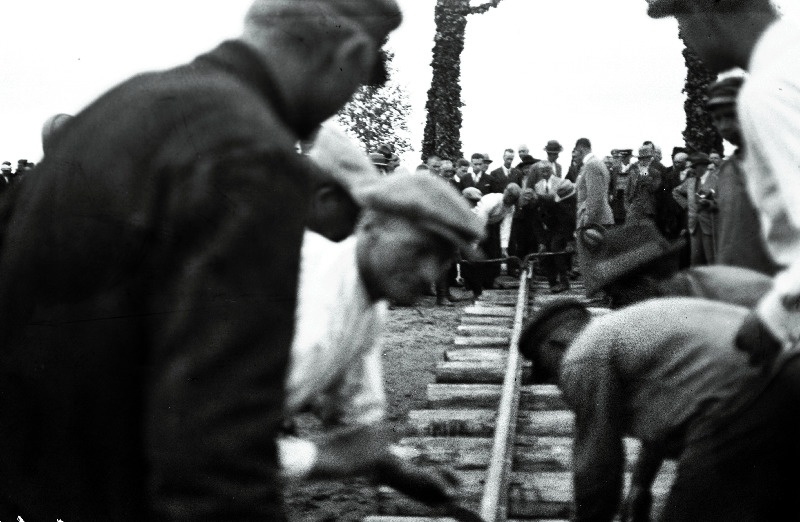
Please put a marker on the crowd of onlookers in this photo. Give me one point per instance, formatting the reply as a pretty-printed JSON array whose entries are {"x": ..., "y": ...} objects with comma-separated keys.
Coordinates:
[
  {"x": 681, "y": 200},
  {"x": 9, "y": 175}
]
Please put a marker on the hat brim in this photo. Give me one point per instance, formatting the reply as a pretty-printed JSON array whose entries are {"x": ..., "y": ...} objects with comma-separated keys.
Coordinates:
[{"x": 610, "y": 270}]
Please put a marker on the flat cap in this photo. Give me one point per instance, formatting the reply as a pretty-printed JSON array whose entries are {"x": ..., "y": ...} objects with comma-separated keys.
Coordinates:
[
  {"x": 472, "y": 193},
  {"x": 725, "y": 91},
  {"x": 428, "y": 202},
  {"x": 341, "y": 159},
  {"x": 626, "y": 152},
  {"x": 377, "y": 18}
]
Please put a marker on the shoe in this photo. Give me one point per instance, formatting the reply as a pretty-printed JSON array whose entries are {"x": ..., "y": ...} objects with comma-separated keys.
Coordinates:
[
  {"x": 441, "y": 301},
  {"x": 453, "y": 299},
  {"x": 559, "y": 288}
]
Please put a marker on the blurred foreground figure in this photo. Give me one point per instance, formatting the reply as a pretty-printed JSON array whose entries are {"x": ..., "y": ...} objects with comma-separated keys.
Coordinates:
[
  {"x": 665, "y": 372},
  {"x": 750, "y": 35},
  {"x": 148, "y": 277},
  {"x": 409, "y": 232}
]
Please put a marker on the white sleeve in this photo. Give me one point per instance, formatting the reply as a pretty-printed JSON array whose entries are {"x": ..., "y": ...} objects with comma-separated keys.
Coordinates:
[
  {"x": 505, "y": 229},
  {"x": 769, "y": 110}
]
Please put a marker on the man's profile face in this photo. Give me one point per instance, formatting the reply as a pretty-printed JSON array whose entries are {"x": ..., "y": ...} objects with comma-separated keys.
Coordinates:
[
  {"x": 726, "y": 121},
  {"x": 403, "y": 259},
  {"x": 696, "y": 24}
]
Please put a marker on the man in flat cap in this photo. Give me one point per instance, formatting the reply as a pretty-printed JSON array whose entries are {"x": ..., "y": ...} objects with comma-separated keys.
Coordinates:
[
  {"x": 697, "y": 195},
  {"x": 146, "y": 326},
  {"x": 752, "y": 36},
  {"x": 738, "y": 236},
  {"x": 408, "y": 234},
  {"x": 665, "y": 371}
]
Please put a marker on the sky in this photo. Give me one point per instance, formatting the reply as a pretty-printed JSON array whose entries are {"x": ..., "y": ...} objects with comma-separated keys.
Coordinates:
[{"x": 532, "y": 70}]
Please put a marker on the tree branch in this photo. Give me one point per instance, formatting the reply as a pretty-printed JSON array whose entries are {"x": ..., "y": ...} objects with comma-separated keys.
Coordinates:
[{"x": 480, "y": 9}]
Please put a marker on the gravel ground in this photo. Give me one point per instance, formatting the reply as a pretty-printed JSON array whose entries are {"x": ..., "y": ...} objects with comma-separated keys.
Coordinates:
[{"x": 415, "y": 340}]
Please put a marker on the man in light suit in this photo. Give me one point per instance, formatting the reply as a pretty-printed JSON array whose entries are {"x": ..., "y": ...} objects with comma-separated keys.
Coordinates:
[
  {"x": 591, "y": 187},
  {"x": 697, "y": 196}
]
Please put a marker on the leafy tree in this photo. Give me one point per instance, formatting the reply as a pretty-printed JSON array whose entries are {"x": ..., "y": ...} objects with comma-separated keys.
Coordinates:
[
  {"x": 700, "y": 133},
  {"x": 442, "y": 134},
  {"x": 376, "y": 115}
]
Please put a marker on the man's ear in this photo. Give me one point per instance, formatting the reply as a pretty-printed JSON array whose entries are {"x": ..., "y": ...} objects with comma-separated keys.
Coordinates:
[{"x": 355, "y": 56}]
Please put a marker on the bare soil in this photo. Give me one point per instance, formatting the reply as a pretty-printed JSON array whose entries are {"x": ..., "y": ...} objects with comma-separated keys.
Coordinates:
[{"x": 415, "y": 340}]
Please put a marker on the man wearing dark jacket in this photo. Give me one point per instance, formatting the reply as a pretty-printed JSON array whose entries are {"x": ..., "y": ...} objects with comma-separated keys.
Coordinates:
[{"x": 149, "y": 277}]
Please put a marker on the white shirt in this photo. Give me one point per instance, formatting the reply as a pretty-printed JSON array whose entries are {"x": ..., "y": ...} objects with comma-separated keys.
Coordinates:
[
  {"x": 492, "y": 210},
  {"x": 335, "y": 364},
  {"x": 769, "y": 112}
]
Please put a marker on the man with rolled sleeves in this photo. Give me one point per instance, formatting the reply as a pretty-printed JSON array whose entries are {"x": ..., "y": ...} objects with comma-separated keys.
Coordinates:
[
  {"x": 146, "y": 325},
  {"x": 407, "y": 236}
]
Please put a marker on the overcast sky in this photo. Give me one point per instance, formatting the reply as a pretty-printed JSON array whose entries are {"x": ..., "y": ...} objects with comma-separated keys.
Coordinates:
[{"x": 532, "y": 70}]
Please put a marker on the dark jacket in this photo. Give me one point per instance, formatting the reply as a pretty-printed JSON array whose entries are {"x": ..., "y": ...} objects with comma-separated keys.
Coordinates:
[
  {"x": 499, "y": 179},
  {"x": 148, "y": 273},
  {"x": 641, "y": 192},
  {"x": 485, "y": 183}
]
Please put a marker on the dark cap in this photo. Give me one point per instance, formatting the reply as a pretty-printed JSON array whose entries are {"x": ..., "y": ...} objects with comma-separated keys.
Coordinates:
[
  {"x": 626, "y": 152},
  {"x": 699, "y": 158},
  {"x": 553, "y": 146},
  {"x": 725, "y": 91},
  {"x": 665, "y": 8},
  {"x": 533, "y": 331},
  {"x": 613, "y": 254},
  {"x": 377, "y": 18},
  {"x": 428, "y": 202}
]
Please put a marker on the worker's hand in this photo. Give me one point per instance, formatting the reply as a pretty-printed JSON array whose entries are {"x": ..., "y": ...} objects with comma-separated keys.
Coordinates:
[
  {"x": 433, "y": 486},
  {"x": 350, "y": 451},
  {"x": 636, "y": 507},
  {"x": 757, "y": 341}
]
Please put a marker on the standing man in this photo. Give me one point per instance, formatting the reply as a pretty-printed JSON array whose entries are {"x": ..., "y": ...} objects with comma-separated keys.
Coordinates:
[
  {"x": 592, "y": 187},
  {"x": 146, "y": 325},
  {"x": 505, "y": 174},
  {"x": 750, "y": 35},
  {"x": 738, "y": 237},
  {"x": 619, "y": 182},
  {"x": 644, "y": 180},
  {"x": 477, "y": 179},
  {"x": 696, "y": 195},
  {"x": 553, "y": 149},
  {"x": 555, "y": 201}
]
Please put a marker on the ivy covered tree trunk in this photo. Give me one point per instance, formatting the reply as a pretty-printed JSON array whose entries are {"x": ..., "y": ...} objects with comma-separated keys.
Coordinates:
[
  {"x": 442, "y": 134},
  {"x": 700, "y": 133}
]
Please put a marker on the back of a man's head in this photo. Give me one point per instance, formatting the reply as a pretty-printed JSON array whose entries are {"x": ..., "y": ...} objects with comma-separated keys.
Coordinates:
[{"x": 583, "y": 143}]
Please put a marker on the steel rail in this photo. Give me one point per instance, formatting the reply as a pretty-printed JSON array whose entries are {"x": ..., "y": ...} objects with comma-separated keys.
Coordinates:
[{"x": 494, "y": 502}]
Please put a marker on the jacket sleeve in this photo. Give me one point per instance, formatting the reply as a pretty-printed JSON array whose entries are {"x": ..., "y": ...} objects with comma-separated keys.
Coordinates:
[
  {"x": 596, "y": 193},
  {"x": 222, "y": 322},
  {"x": 593, "y": 392},
  {"x": 680, "y": 194}
]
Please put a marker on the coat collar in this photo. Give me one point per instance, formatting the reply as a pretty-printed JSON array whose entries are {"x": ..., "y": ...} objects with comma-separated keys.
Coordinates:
[{"x": 240, "y": 60}]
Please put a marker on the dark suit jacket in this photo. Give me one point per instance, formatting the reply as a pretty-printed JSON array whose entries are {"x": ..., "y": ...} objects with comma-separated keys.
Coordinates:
[
  {"x": 500, "y": 181},
  {"x": 485, "y": 184},
  {"x": 641, "y": 191},
  {"x": 148, "y": 276}
]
